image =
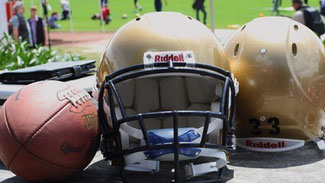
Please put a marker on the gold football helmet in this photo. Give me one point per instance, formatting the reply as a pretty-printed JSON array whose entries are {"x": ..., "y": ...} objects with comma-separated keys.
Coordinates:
[
  {"x": 280, "y": 66},
  {"x": 164, "y": 75}
]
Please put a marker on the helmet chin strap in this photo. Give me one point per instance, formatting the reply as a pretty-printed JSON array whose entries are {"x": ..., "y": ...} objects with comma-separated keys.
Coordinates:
[
  {"x": 140, "y": 163},
  {"x": 192, "y": 170}
]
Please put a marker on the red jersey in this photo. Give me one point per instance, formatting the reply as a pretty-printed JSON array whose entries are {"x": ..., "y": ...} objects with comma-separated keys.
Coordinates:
[
  {"x": 10, "y": 9},
  {"x": 105, "y": 12}
]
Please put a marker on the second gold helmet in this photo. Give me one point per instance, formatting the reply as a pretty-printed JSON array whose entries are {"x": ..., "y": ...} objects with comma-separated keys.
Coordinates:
[{"x": 280, "y": 66}]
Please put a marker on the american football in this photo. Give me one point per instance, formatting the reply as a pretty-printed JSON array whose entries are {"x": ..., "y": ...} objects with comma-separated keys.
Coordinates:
[
  {"x": 49, "y": 131},
  {"x": 162, "y": 91}
]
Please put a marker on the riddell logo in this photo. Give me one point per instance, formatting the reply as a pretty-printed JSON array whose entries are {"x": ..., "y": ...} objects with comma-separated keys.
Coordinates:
[
  {"x": 266, "y": 145},
  {"x": 171, "y": 57}
]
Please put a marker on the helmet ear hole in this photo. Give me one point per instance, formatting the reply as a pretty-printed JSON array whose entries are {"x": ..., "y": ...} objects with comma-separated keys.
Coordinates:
[
  {"x": 294, "y": 49},
  {"x": 138, "y": 19},
  {"x": 296, "y": 27},
  {"x": 236, "y": 50}
]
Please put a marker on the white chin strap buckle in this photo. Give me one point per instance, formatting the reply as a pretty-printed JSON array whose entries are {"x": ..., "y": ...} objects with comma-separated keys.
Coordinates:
[
  {"x": 138, "y": 162},
  {"x": 321, "y": 144},
  {"x": 144, "y": 166},
  {"x": 192, "y": 170}
]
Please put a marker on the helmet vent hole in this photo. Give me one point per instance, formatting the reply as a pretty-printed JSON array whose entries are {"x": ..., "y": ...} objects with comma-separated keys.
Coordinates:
[
  {"x": 138, "y": 18},
  {"x": 236, "y": 50},
  {"x": 243, "y": 28},
  {"x": 294, "y": 49},
  {"x": 263, "y": 51},
  {"x": 296, "y": 27},
  {"x": 189, "y": 18}
]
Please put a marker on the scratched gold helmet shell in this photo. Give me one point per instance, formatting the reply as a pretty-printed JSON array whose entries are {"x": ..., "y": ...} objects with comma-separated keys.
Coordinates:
[{"x": 280, "y": 66}]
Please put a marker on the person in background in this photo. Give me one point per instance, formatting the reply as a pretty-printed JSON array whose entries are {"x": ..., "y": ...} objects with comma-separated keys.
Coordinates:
[
  {"x": 199, "y": 5},
  {"x": 299, "y": 14},
  {"x": 65, "y": 5},
  {"x": 105, "y": 11},
  {"x": 322, "y": 7},
  {"x": 44, "y": 5},
  {"x": 276, "y": 5},
  {"x": 103, "y": 3},
  {"x": 52, "y": 21},
  {"x": 309, "y": 16},
  {"x": 106, "y": 14},
  {"x": 19, "y": 26},
  {"x": 137, "y": 6},
  {"x": 38, "y": 28},
  {"x": 158, "y": 5}
]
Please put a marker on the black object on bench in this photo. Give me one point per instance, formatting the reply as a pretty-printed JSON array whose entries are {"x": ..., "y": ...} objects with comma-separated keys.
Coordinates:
[{"x": 61, "y": 71}]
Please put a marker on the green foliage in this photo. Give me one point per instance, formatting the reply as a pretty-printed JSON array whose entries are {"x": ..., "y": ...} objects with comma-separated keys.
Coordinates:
[{"x": 16, "y": 54}]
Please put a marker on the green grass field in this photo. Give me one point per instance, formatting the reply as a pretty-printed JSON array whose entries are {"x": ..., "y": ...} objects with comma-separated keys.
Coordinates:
[{"x": 227, "y": 12}]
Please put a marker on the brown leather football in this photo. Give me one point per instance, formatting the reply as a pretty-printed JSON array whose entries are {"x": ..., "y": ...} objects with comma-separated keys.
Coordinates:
[{"x": 48, "y": 131}]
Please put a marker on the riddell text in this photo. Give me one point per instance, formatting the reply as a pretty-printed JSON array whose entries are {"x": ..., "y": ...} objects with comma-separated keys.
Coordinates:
[
  {"x": 172, "y": 57},
  {"x": 266, "y": 145}
]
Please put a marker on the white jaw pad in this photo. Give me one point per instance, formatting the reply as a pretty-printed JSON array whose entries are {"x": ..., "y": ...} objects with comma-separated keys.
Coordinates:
[{"x": 197, "y": 121}]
